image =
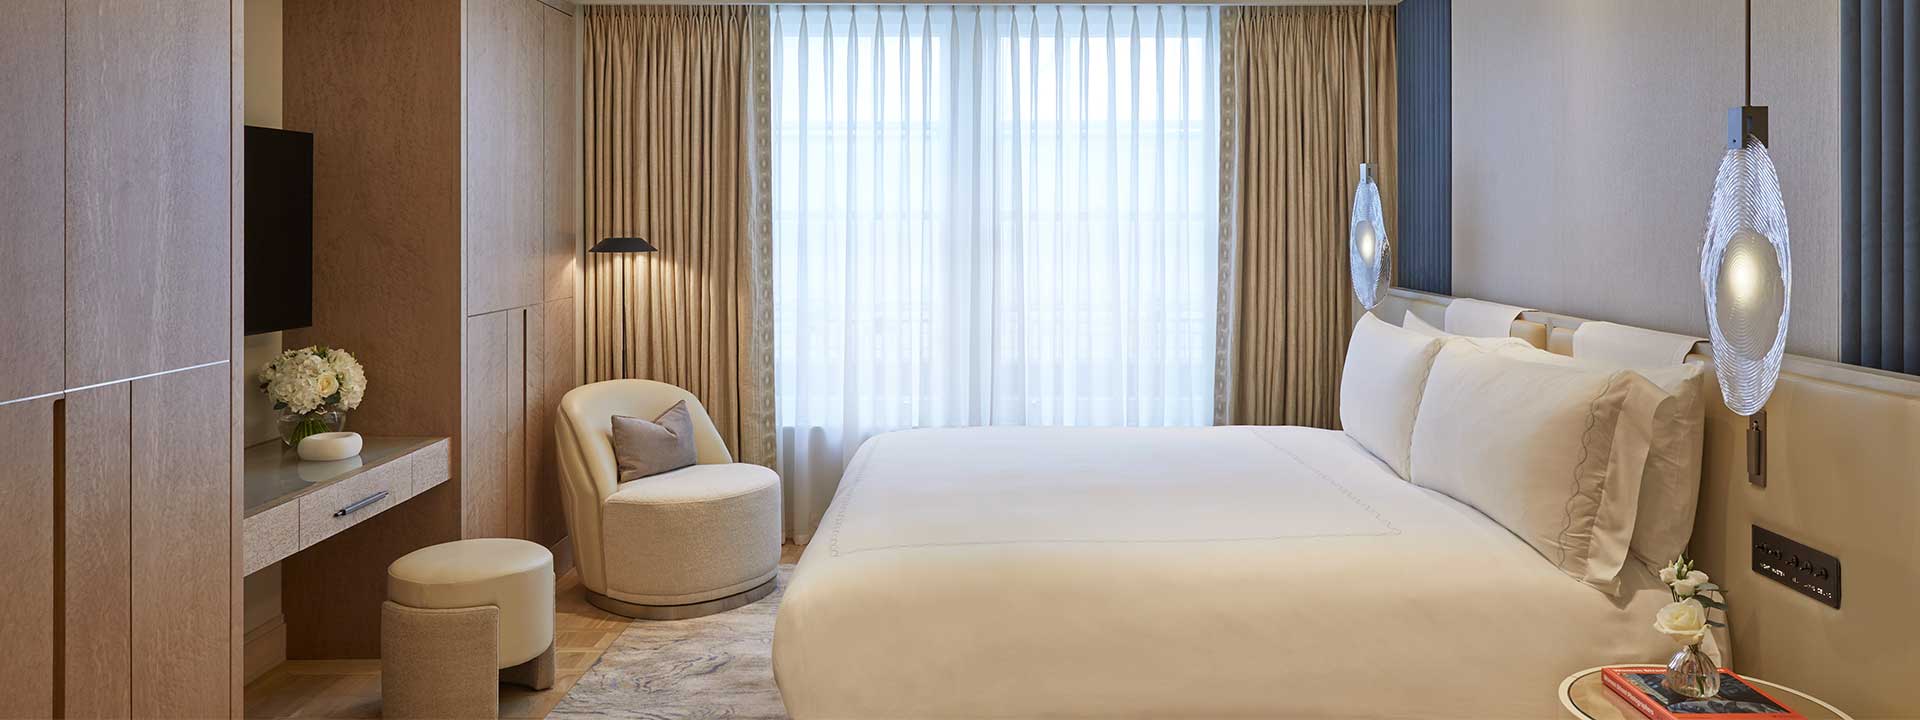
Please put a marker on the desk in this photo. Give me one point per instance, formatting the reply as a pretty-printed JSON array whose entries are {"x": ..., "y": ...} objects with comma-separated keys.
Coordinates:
[{"x": 292, "y": 505}]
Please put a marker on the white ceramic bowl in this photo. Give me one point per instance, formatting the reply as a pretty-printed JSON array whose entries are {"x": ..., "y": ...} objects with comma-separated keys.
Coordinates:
[{"x": 328, "y": 446}]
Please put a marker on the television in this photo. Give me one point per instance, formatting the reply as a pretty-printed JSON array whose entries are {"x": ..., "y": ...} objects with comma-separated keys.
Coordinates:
[{"x": 279, "y": 230}]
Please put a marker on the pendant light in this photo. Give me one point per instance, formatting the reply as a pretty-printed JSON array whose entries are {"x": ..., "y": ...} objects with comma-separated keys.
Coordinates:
[
  {"x": 1747, "y": 271},
  {"x": 1367, "y": 226}
]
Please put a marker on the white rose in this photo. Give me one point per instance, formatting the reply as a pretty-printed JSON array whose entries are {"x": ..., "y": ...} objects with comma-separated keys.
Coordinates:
[
  {"x": 329, "y": 384},
  {"x": 1667, "y": 575},
  {"x": 1684, "y": 621},
  {"x": 1686, "y": 586}
]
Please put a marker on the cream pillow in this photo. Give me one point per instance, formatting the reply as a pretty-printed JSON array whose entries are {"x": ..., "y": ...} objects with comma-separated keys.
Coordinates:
[
  {"x": 1670, "y": 483},
  {"x": 1414, "y": 323},
  {"x": 1380, "y": 387},
  {"x": 1553, "y": 453}
]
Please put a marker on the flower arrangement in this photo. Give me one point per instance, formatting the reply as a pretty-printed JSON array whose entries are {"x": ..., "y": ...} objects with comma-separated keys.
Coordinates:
[
  {"x": 1690, "y": 672},
  {"x": 313, "y": 386}
]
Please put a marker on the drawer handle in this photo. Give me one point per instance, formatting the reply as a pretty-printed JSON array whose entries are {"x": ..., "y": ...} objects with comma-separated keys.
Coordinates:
[{"x": 361, "y": 503}]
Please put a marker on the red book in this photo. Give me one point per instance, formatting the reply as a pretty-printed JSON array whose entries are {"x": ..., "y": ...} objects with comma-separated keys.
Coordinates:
[{"x": 1738, "y": 700}]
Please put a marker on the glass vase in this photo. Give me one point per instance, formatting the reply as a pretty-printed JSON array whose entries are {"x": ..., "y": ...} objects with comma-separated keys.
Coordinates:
[
  {"x": 295, "y": 427},
  {"x": 1692, "y": 673}
]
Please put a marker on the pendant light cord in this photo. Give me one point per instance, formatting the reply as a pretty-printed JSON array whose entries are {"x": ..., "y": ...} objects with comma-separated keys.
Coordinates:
[
  {"x": 1366, "y": 42},
  {"x": 1749, "y": 53}
]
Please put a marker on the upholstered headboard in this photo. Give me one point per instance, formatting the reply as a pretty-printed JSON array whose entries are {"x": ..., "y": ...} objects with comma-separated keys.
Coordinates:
[{"x": 1843, "y": 443}]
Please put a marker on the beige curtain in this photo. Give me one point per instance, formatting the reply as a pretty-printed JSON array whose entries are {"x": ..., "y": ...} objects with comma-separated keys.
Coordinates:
[
  {"x": 675, "y": 104},
  {"x": 1292, "y": 144}
]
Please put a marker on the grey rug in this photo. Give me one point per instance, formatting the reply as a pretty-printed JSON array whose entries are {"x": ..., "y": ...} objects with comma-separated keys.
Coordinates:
[{"x": 718, "y": 666}]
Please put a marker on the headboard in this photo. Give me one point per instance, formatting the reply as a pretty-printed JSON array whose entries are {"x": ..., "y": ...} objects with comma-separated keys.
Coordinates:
[{"x": 1843, "y": 445}]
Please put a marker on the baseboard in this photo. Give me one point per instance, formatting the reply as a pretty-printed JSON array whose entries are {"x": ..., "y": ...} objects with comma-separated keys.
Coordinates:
[{"x": 266, "y": 648}]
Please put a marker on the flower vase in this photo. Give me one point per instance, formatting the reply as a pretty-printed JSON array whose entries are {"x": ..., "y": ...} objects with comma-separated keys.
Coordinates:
[
  {"x": 295, "y": 427},
  {"x": 1692, "y": 673}
]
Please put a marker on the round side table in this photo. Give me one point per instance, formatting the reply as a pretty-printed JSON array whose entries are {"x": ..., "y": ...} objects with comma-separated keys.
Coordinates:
[{"x": 1585, "y": 696}]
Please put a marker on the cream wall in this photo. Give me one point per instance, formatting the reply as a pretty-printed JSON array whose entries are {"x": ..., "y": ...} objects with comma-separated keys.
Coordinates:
[{"x": 1586, "y": 135}]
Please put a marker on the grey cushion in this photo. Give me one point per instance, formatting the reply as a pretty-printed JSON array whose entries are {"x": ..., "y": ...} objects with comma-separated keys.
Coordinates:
[{"x": 643, "y": 448}]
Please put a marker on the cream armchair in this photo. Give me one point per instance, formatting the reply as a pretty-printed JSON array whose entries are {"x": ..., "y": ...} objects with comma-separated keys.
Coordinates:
[{"x": 695, "y": 541}]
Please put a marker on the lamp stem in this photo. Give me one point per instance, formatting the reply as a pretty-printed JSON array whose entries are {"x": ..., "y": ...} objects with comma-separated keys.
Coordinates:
[{"x": 1757, "y": 448}]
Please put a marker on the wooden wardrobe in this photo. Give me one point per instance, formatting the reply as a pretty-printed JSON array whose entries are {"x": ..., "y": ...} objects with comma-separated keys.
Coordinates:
[{"x": 119, "y": 209}]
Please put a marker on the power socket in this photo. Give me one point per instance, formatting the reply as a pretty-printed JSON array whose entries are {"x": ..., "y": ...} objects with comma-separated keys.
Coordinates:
[{"x": 1791, "y": 563}]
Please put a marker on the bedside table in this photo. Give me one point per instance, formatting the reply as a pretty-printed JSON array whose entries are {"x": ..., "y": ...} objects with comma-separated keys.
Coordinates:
[{"x": 1586, "y": 697}]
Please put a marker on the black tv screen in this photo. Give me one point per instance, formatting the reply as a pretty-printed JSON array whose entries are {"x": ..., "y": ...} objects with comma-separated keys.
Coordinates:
[{"x": 279, "y": 227}]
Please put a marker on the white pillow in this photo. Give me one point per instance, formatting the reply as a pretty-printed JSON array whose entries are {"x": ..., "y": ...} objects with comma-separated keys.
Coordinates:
[
  {"x": 1380, "y": 387},
  {"x": 1553, "y": 453},
  {"x": 1670, "y": 484},
  {"x": 1414, "y": 323}
]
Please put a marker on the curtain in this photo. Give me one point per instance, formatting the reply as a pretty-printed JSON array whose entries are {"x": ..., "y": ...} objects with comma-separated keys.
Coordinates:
[
  {"x": 1292, "y": 131},
  {"x": 989, "y": 215},
  {"x": 676, "y": 146},
  {"x": 1880, "y": 184}
]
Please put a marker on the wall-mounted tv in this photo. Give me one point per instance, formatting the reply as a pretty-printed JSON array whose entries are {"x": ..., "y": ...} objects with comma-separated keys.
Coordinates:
[{"x": 279, "y": 227}]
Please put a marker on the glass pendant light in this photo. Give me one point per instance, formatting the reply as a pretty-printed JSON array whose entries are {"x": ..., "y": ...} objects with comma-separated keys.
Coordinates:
[
  {"x": 1367, "y": 243},
  {"x": 1746, "y": 270}
]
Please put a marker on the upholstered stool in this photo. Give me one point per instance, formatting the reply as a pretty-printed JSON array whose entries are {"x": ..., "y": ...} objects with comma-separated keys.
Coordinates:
[{"x": 461, "y": 618}]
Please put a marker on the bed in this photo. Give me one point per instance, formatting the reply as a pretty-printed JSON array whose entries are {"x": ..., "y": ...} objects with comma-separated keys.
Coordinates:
[{"x": 1179, "y": 572}]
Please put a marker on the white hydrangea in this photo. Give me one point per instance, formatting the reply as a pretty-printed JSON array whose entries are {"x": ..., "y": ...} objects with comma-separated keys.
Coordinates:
[{"x": 311, "y": 378}]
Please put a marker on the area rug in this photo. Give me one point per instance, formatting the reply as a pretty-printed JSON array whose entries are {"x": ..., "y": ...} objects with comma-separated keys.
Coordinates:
[{"x": 718, "y": 666}]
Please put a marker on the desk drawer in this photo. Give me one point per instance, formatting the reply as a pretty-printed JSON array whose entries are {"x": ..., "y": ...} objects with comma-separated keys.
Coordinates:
[
  {"x": 346, "y": 503},
  {"x": 430, "y": 466}
]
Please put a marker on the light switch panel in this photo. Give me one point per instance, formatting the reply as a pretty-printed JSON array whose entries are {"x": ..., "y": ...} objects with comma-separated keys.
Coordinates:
[{"x": 1813, "y": 573}]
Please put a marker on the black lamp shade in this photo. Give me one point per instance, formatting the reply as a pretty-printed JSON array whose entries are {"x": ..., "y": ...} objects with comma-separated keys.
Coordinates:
[{"x": 623, "y": 245}]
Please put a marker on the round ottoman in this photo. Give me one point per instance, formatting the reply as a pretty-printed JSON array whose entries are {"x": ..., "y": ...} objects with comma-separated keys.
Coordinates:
[{"x": 460, "y": 618}]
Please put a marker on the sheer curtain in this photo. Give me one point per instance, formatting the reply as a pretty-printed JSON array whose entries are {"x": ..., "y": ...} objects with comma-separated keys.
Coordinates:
[{"x": 989, "y": 215}]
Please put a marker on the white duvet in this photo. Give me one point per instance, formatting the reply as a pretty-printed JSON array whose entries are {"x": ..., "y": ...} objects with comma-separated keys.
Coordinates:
[{"x": 1199, "y": 573}]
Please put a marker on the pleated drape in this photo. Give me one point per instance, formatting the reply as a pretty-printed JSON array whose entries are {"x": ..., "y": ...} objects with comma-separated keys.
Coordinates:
[
  {"x": 677, "y": 152},
  {"x": 1292, "y": 144},
  {"x": 1880, "y": 184}
]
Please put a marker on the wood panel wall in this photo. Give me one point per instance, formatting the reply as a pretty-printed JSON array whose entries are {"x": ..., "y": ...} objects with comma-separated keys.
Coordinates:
[
  {"x": 182, "y": 602},
  {"x": 504, "y": 142},
  {"x": 27, "y": 476},
  {"x": 98, "y": 561},
  {"x": 32, "y": 283},
  {"x": 148, "y": 182},
  {"x": 387, "y": 274}
]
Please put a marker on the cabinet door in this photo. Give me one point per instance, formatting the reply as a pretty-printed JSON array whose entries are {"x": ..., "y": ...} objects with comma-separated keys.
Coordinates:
[
  {"x": 32, "y": 199},
  {"x": 98, "y": 552},
  {"x": 503, "y": 148},
  {"x": 182, "y": 532},
  {"x": 26, "y": 615},
  {"x": 148, "y": 186},
  {"x": 547, "y": 380},
  {"x": 483, "y": 437},
  {"x": 561, "y": 128}
]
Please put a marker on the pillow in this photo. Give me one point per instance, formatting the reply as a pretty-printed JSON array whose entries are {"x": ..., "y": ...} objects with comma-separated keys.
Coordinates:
[
  {"x": 1414, "y": 323},
  {"x": 643, "y": 448},
  {"x": 1380, "y": 387},
  {"x": 1553, "y": 453},
  {"x": 1670, "y": 484}
]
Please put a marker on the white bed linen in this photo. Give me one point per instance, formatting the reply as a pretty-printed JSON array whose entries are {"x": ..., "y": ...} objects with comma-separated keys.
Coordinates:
[{"x": 1203, "y": 572}]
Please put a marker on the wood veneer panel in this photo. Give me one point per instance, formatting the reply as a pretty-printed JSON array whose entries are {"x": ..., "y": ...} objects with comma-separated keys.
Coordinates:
[
  {"x": 32, "y": 198},
  {"x": 547, "y": 523},
  {"x": 484, "y": 453},
  {"x": 386, "y": 176},
  {"x": 149, "y": 184},
  {"x": 98, "y": 564},
  {"x": 504, "y": 226},
  {"x": 331, "y": 592},
  {"x": 560, "y": 160},
  {"x": 27, "y": 466},
  {"x": 182, "y": 544}
]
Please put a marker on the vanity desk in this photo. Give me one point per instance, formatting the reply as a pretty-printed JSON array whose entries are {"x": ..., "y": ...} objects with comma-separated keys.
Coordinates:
[{"x": 292, "y": 505}]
